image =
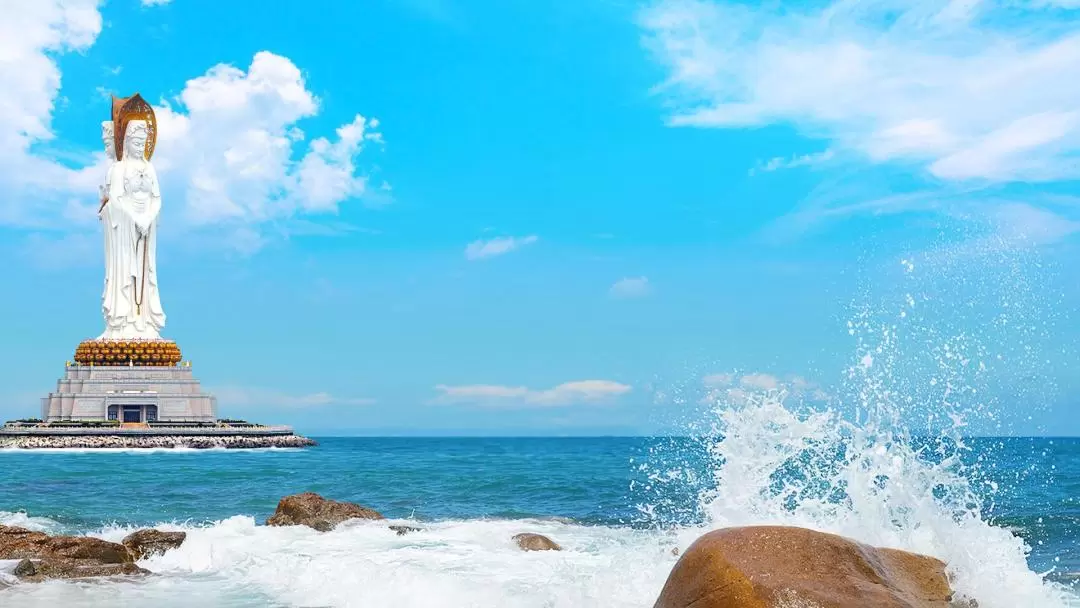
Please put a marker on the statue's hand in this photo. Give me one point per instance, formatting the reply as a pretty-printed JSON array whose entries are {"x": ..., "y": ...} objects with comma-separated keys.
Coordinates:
[{"x": 142, "y": 225}]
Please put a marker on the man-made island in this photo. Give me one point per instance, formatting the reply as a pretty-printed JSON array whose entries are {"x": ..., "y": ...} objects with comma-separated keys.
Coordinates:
[{"x": 129, "y": 387}]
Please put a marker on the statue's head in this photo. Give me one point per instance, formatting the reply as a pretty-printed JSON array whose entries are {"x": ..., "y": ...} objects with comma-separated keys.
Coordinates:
[
  {"x": 134, "y": 120},
  {"x": 135, "y": 139},
  {"x": 109, "y": 139}
]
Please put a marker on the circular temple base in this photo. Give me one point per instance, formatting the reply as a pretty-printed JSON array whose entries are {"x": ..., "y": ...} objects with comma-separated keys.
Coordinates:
[{"x": 128, "y": 352}]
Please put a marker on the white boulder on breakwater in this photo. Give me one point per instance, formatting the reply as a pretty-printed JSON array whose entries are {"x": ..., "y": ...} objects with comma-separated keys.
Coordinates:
[{"x": 155, "y": 441}]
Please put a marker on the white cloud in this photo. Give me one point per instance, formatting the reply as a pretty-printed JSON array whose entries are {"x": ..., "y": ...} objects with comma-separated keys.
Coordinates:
[
  {"x": 968, "y": 90},
  {"x": 736, "y": 388},
  {"x": 231, "y": 139},
  {"x": 568, "y": 393},
  {"x": 481, "y": 249},
  {"x": 777, "y": 163},
  {"x": 631, "y": 287},
  {"x": 32, "y": 34},
  {"x": 722, "y": 379},
  {"x": 759, "y": 381},
  {"x": 229, "y": 154},
  {"x": 237, "y": 396}
]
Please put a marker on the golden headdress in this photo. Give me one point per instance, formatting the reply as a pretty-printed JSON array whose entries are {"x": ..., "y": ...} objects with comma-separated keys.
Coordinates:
[{"x": 127, "y": 109}]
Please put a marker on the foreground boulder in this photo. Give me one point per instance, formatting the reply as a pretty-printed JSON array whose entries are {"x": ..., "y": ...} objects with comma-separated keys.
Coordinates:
[
  {"x": 310, "y": 509},
  {"x": 536, "y": 542},
  {"x": 145, "y": 543},
  {"x": 43, "y": 556},
  {"x": 774, "y": 566}
]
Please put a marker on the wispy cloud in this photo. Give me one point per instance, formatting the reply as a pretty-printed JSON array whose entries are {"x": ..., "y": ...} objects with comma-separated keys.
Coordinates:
[
  {"x": 737, "y": 387},
  {"x": 482, "y": 249},
  {"x": 155, "y": 2},
  {"x": 966, "y": 90},
  {"x": 568, "y": 393},
  {"x": 1033, "y": 225},
  {"x": 777, "y": 163},
  {"x": 630, "y": 287},
  {"x": 249, "y": 396}
]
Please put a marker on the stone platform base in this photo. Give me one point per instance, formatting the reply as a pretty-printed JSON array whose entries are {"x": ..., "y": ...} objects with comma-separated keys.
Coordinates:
[
  {"x": 128, "y": 394},
  {"x": 154, "y": 441}
]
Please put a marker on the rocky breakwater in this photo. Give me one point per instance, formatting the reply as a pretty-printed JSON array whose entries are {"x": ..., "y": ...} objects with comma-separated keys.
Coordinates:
[
  {"x": 154, "y": 441},
  {"x": 775, "y": 567},
  {"x": 43, "y": 557}
]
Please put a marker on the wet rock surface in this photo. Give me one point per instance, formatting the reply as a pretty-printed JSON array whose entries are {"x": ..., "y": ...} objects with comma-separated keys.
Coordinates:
[
  {"x": 146, "y": 543},
  {"x": 45, "y": 557},
  {"x": 25, "y": 568},
  {"x": 772, "y": 566},
  {"x": 322, "y": 514},
  {"x": 535, "y": 542}
]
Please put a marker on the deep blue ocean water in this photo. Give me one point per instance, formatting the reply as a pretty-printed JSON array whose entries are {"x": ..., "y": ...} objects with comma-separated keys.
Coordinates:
[{"x": 592, "y": 481}]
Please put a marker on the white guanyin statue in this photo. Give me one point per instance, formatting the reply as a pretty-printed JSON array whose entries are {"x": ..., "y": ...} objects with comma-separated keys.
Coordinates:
[{"x": 130, "y": 206}]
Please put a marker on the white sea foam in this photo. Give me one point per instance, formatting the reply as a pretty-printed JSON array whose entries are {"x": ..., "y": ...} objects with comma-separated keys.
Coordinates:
[
  {"x": 447, "y": 564},
  {"x": 23, "y": 520},
  {"x": 866, "y": 483}
]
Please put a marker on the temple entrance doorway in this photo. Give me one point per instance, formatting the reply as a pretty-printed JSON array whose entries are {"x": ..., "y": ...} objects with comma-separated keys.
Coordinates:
[{"x": 132, "y": 413}]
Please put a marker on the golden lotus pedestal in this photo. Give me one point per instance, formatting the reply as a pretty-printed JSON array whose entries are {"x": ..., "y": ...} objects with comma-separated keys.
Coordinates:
[{"x": 143, "y": 353}]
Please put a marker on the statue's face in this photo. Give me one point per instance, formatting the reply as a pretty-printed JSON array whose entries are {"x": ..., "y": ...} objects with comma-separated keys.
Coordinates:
[
  {"x": 107, "y": 136},
  {"x": 135, "y": 139}
]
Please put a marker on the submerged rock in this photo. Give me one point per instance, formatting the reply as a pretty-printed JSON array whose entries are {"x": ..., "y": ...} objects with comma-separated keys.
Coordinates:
[
  {"x": 310, "y": 509},
  {"x": 536, "y": 542},
  {"x": 25, "y": 568},
  {"x": 770, "y": 566},
  {"x": 79, "y": 568},
  {"x": 144, "y": 543},
  {"x": 403, "y": 530},
  {"x": 44, "y": 557}
]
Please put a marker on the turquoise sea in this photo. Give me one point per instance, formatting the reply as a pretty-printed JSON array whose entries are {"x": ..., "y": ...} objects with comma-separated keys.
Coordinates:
[{"x": 618, "y": 506}]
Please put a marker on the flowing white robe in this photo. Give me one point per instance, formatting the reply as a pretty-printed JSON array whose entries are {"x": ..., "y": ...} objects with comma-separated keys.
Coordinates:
[{"x": 130, "y": 302}]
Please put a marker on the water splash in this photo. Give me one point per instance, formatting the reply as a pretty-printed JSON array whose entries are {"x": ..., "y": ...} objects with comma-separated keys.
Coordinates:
[
  {"x": 887, "y": 462},
  {"x": 774, "y": 466}
]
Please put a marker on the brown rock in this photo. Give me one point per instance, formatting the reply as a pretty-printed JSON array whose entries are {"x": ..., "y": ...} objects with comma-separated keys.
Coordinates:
[
  {"x": 310, "y": 509},
  {"x": 769, "y": 566},
  {"x": 44, "y": 557},
  {"x": 25, "y": 568},
  {"x": 144, "y": 543},
  {"x": 536, "y": 542},
  {"x": 79, "y": 568},
  {"x": 17, "y": 543}
]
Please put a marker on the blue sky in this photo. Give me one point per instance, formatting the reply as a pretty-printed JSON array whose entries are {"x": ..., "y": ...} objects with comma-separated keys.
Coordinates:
[{"x": 432, "y": 216}]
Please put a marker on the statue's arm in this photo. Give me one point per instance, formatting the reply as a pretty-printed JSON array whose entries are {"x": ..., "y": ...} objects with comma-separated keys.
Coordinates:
[
  {"x": 114, "y": 189},
  {"x": 115, "y": 183},
  {"x": 155, "y": 195}
]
